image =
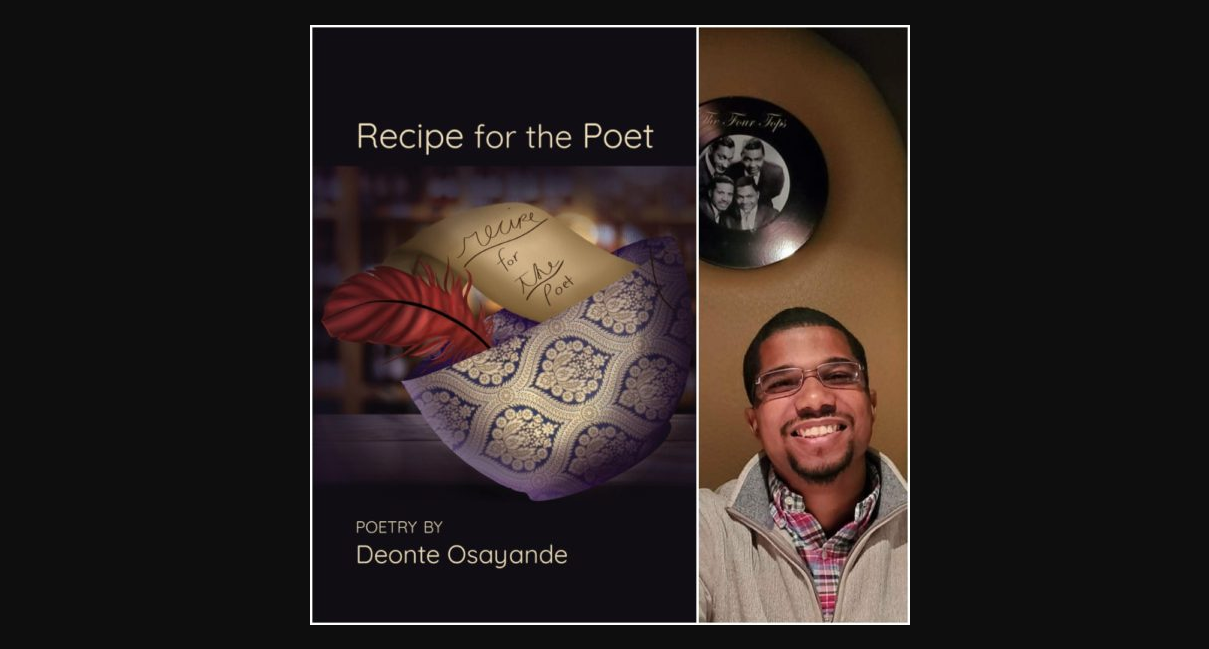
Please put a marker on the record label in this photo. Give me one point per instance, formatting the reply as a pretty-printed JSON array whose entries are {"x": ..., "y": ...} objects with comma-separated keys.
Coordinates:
[{"x": 763, "y": 182}]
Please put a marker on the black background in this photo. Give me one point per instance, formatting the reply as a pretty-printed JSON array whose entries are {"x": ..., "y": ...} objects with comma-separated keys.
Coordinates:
[
  {"x": 249, "y": 522},
  {"x": 508, "y": 80},
  {"x": 631, "y": 555}
]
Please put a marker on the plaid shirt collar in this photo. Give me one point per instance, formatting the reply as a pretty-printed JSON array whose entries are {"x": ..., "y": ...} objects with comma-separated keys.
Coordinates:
[
  {"x": 789, "y": 510},
  {"x": 824, "y": 556}
]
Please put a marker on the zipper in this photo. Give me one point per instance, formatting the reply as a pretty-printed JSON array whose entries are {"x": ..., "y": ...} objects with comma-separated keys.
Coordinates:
[
  {"x": 796, "y": 560},
  {"x": 788, "y": 553},
  {"x": 856, "y": 552}
]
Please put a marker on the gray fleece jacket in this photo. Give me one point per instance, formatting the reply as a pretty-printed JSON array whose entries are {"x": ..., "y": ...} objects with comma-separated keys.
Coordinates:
[{"x": 750, "y": 572}]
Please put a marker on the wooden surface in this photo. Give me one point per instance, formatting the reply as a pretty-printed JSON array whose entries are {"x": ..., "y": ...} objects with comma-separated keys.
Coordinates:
[{"x": 356, "y": 449}]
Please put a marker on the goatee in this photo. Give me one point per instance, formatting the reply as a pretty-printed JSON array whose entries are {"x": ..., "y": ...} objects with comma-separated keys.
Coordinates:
[{"x": 824, "y": 474}]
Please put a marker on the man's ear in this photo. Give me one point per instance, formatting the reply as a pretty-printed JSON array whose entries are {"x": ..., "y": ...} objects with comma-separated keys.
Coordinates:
[
  {"x": 873, "y": 402},
  {"x": 751, "y": 421}
]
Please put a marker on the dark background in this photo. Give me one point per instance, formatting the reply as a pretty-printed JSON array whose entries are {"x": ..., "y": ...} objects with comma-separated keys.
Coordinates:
[
  {"x": 882, "y": 52},
  {"x": 631, "y": 554},
  {"x": 629, "y": 542},
  {"x": 508, "y": 79}
]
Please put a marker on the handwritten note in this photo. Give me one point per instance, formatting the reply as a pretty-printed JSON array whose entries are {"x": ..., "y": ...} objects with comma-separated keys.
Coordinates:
[{"x": 518, "y": 255}]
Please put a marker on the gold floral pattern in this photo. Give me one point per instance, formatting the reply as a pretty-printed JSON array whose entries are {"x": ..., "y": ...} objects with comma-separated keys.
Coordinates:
[
  {"x": 505, "y": 325},
  {"x": 652, "y": 386},
  {"x": 571, "y": 370},
  {"x": 602, "y": 452},
  {"x": 588, "y": 392},
  {"x": 447, "y": 414},
  {"x": 495, "y": 365},
  {"x": 624, "y": 306},
  {"x": 685, "y": 324},
  {"x": 669, "y": 255},
  {"x": 521, "y": 439}
]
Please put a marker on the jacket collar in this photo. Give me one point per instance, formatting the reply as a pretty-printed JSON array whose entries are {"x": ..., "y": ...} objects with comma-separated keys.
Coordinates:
[{"x": 752, "y": 499}]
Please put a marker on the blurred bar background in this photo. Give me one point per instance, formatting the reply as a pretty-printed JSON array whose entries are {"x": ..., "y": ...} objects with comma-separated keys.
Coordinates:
[{"x": 360, "y": 215}]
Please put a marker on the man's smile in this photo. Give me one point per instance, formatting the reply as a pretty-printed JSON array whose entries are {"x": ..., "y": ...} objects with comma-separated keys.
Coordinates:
[{"x": 815, "y": 428}]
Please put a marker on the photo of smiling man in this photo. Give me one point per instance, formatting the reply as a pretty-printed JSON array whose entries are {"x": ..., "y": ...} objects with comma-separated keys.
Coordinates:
[
  {"x": 815, "y": 526},
  {"x": 803, "y": 341}
]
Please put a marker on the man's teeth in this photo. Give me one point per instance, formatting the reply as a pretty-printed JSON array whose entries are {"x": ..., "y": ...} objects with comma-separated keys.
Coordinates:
[{"x": 816, "y": 431}]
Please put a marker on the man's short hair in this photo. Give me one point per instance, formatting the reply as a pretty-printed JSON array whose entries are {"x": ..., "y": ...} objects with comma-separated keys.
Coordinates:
[
  {"x": 753, "y": 145},
  {"x": 719, "y": 179},
  {"x": 798, "y": 316},
  {"x": 746, "y": 181},
  {"x": 724, "y": 141}
]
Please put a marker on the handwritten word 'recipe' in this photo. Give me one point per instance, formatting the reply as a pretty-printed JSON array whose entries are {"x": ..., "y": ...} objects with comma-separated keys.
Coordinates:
[{"x": 480, "y": 241}]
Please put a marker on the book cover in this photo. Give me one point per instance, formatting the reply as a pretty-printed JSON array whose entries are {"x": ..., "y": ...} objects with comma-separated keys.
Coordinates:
[{"x": 504, "y": 317}]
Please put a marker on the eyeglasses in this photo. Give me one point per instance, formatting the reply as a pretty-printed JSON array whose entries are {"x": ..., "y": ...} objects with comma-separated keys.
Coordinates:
[{"x": 787, "y": 381}]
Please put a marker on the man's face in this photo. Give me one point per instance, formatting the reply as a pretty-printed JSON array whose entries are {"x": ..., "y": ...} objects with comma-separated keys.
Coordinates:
[
  {"x": 748, "y": 197},
  {"x": 818, "y": 432},
  {"x": 722, "y": 156},
  {"x": 722, "y": 195},
  {"x": 753, "y": 160}
]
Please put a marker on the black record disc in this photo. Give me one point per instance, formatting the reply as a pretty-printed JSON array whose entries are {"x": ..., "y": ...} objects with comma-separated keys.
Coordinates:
[{"x": 763, "y": 182}]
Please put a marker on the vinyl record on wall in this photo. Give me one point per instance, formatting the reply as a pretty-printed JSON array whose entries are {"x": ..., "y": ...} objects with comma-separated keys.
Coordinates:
[{"x": 763, "y": 182}]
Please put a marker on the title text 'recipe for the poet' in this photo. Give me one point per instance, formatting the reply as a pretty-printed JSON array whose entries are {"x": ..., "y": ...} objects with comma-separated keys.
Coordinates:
[{"x": 369, "y": 136}]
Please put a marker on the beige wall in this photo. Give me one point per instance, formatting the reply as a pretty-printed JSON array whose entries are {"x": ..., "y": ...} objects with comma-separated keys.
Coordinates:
[{"x": 855, "y": 265}]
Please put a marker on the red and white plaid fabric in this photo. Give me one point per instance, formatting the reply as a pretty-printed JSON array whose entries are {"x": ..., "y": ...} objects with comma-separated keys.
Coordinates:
[{"x": 825, "y": 556}]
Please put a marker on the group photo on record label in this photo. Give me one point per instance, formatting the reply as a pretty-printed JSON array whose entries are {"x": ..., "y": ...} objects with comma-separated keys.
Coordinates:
[{"x": 763, "y": 182}]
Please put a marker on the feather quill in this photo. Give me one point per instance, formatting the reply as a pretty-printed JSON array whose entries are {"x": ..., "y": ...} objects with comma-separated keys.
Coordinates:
[{"x": 390, "y": 307}]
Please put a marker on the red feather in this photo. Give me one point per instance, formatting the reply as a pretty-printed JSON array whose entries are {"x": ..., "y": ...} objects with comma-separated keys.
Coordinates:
[{"x": 390, "y": 307}]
